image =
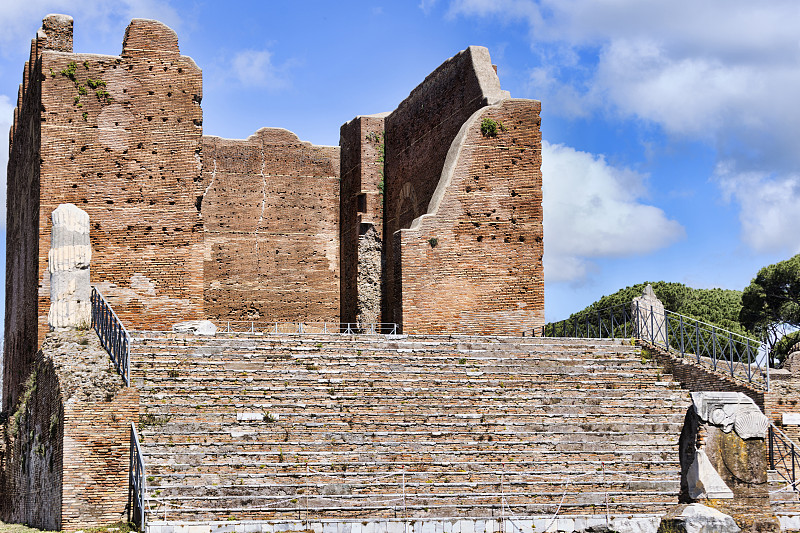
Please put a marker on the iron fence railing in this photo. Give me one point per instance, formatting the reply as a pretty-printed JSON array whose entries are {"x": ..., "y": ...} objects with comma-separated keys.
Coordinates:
[
  {"x": 711, "y": 346},
  {"x": 784, "y": 457},
  {"x": 113, "y": 335},
  {"x": 301, "y": 328},
  {"x": 136, "y": 483}
]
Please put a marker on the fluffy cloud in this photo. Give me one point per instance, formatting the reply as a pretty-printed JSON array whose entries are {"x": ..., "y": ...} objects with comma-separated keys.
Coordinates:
[
  {"x": 769, "y": 207},
  {"x": 254, "y": 68},
  {"x": 593, "y": 210},
  {"x": 720, "y": 71},
  {"x": 6, "y": 119}
]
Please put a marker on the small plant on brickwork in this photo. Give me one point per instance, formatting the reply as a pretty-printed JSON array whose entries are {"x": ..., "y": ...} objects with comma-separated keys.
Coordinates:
[
  {"x": 85, "y": 116},
  {"x": 69, "y": 72},
  {"x": 271, "y": 417},
  {"x": 462, "y": 361},
  {"x": 490, "y": 127},
  {"x": 433, "y": 241},
  {"x": 86, "y": 64}
]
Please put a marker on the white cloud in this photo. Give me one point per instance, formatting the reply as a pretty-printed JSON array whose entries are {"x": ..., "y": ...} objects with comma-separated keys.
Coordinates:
[
  {"x": 769, "y": 207},
  {"x": 6, "y": 119},
  {"x": 254, "y": 68},
  {"x": 593, "y": 210},
  {"x": 720, "y": 71}
]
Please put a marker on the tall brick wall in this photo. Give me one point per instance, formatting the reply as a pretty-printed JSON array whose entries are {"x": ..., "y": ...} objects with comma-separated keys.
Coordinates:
[
  {"x": 131, "y": 161},
  {"x": 270, "y": 212},
  {"x": 22, "y": 223},
  {"x": 361, "y": 213},
  {"x": 119, "y": 136},
  {"x": 474, "y": 263},
  {"x": 486, "y": 276}
]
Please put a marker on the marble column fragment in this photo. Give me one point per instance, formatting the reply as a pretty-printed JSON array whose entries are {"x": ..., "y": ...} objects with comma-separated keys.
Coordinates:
[{"x": 69, "y": 258}]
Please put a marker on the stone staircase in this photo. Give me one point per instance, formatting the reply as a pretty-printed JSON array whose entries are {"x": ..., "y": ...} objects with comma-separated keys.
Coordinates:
[{"x": 301, "y": 428}]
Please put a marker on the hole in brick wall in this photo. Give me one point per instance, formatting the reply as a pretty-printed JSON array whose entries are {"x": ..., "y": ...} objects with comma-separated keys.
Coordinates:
[
  {"x": 171, "y": 202},
  {"x": 149, "y": 228},
  {"x": 198, "y": 202},
  {"x": 480, "y": 238},
  {"x": 476, "y": 224},
  {"x": 469, "y": 189},
  {"x": 522, "y": 238},
  {"x": 163, "y": 119},
  {"x": 513, "y": 220},
  {"x": 84, "y": 148},
  {"x": 150, "y": 93},
  {"x": 109, "y": 201},
  {"x": 97, "y": 225},
  {"x": 140, "y": 145},
  {"x": 361, "y": 203},
  {"x": 514, "y": 193},
  {"x": 180, "y": 71},
  {"x": 506, "y": 239},
  {"x": 149, "y": 119},
  {"x": 169, "y": 94},
  {"x": 165, "y": 69},
  {"x": 150, "y": 67},
  {"x": 74, "y": 185}
]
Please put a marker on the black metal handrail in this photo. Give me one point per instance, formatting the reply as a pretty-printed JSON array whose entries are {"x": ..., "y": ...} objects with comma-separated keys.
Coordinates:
[
  {"x": 709, "y": 345},
  {"x": 113, "y": 335},
  {"x": 136, "y": 483},
  {"x": 784, "y": 457}
]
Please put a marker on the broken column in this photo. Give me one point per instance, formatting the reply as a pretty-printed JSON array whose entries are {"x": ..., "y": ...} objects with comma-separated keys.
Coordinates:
[
  {"x": 723, "y": 458},
  {"x": 68, "y": 264},
  {"x": 649, "y": 317}
]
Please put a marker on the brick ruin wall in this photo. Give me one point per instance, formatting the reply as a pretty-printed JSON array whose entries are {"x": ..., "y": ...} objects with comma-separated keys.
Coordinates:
[
  {"x": 419, "y": 136},
  {"x": 270, "y": 211},
  {"x": 120, "y": 137},
  {"x": 361, "y": 214},
  {"x": 474, "y": 264},
  {"x": 22, "y": 224},
  {"x": 66, "y": 445}
]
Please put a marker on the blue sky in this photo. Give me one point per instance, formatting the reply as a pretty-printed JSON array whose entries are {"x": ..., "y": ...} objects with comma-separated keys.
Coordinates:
[{"x": 670, "y": 128}]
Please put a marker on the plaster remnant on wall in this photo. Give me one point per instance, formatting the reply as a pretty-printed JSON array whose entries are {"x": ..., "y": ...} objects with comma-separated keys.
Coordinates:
[
  {"x": 143, "y": 285},
  {"x": 113, "y": 125},
  {"x": 68, "y": 264}
]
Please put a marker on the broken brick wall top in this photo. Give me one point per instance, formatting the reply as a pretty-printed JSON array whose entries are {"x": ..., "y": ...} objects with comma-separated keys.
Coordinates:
[
  {"x": 419, "y": 134},
  {"x": 270, "y": 211}
]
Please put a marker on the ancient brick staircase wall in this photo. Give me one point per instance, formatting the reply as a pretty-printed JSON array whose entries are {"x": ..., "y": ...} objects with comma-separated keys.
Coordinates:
[
  {"x": 484, "y": 196},
  {"x": 270, "y": 211},
  {"x": 361, "y": 219},
  {"x": 65, "y": 464}
]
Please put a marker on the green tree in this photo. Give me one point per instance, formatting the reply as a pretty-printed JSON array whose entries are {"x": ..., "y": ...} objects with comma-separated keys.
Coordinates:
[{"x": 771, "y": 303}]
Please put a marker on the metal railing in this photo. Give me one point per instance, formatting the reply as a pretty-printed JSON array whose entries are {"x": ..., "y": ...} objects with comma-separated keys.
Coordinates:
[
  {"x": 307, "y": 328},
  {"x": 136, "y": 483},
  {"x": 113, "y": 335},
  {"x": 711, "y": 346},
  {"x": 784, "y": 457}
]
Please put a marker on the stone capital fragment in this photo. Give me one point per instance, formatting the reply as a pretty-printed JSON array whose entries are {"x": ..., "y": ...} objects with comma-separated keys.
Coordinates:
[
  {"x": 68, "y": 264},
  {"x": 731, "y": 410},
  {"x": 697, "y": 518}
]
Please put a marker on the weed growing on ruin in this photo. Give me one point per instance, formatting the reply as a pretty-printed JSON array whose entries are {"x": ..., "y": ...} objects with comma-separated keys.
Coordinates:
[
  {"x": 490, "y": 127},
  {"x": 462, "y": 361},
  {"x": 85, "y": 116},
  {"x": 69, "y": 72},
  {"x": 433, "y": 241}
]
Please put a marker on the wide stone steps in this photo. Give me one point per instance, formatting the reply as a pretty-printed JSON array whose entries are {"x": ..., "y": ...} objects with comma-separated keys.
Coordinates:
[{"x": 261, "y": 428}]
